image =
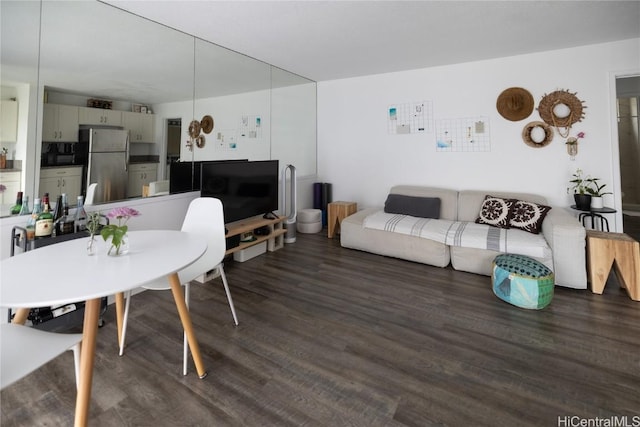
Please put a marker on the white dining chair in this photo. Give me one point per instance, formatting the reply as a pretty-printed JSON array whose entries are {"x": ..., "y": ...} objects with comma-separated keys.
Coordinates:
[
  {"x": 204, "y": 218},
  {"x": 91, "y": 192},
  {"x": 25, "y": 349}
]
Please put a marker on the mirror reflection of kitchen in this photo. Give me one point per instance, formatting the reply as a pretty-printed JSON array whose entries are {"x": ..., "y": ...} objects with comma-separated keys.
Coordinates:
[
  {"x": 36, "y": 61},
  {"x": 174, "y": 132},
  {"x": 58, "y": 154}
]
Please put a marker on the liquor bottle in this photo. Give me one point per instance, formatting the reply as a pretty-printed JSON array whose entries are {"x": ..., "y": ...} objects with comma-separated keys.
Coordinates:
[
  {"x": 15, "y": 209},
  {"x": 81, "y": 216},
  {"x": 57, "y": 217},
  {"x": 40, "y": 315},
  {"x": 67, "y": 221},
  {"x": 31, "y": 222},
  {"x": 44, "y": 223},
  {"x": 24, "y": 209}
]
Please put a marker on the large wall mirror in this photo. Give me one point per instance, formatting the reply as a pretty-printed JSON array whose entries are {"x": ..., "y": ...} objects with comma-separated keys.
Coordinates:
[{"x": 61, "y": 59}]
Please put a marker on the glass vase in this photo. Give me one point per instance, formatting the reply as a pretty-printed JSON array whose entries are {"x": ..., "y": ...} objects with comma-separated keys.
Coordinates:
[
  {"x": 121, "y": 249},
  {"x": 91, "y": 245}
]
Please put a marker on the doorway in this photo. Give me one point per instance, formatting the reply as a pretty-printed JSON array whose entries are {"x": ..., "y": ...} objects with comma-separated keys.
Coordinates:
[
  {"x": 174, "y": 130},
  {"x": 628, "y": 107}
]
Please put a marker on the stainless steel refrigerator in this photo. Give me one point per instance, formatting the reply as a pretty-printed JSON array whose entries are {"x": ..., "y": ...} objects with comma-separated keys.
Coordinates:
[{"x": 108, "y": 161}]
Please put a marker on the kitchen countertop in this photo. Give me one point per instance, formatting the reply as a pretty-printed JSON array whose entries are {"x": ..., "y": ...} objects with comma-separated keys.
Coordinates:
[
  {"x": 60, "y": 166},
  {"x": 132, "y": 160},
  {"x": 144, "y": 159}
]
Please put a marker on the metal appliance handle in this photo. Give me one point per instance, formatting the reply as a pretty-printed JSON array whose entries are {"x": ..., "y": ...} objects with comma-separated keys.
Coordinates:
[{"x": 126, "y": 157}]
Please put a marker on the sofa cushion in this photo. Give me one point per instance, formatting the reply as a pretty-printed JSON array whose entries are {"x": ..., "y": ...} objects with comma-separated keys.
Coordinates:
[
  {"x": 353, "y": 235},
  {"x": 423, "y": 207},
  {"x": 460, "y": 233},
  {"x": 528, "y": 216},
  {"x": 448, "y": 198},
  {"x": 495, "y": 211}
]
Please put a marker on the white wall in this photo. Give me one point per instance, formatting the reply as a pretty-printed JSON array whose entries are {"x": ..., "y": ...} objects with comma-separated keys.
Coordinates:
[
  {"x": 227, "y": 112},
  {"x": 26, "y": 96},
  {"x": 362, "y": 161},
  {"x": 293, "y": 130}
]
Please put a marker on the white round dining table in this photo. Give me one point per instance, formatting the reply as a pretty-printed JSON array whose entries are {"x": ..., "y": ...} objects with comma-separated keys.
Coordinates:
[{"x": 63, "y": 273}]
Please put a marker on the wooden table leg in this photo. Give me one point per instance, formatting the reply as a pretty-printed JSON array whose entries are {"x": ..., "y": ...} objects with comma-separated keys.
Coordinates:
[
  {"x": 87, "y": 355},
  {"x": 21, "y": 316},
  {"x": 185, "y": 317},
  {"x": 119, "y": 314}
]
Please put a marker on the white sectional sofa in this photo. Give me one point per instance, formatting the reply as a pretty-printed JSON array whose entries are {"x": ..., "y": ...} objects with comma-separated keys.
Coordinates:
[{"x": 562, "y": 237}]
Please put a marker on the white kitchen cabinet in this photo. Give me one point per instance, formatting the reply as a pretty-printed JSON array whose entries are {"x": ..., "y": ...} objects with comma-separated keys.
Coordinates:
[
  {"x": 140, "y": 126},
  {"x": 59, "y": 123},
  {"x": 11, "y": 180},
  {"x": 99, "y": 116},
  {"x": 8, "y": 121},
  {"x": 58, "y": 180},
  {"x": 140, "y": 174}
]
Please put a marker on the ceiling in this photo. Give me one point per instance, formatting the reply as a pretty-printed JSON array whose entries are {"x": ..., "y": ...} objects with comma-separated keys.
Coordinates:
[{"x": 325, "y": 40}]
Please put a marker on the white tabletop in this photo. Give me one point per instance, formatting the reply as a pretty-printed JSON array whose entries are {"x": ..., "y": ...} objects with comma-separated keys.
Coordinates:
[{"x": 62, "y": 273}]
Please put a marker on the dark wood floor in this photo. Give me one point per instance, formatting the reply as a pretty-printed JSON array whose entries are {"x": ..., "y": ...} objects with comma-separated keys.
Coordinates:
[{"x": 335, "y": 337}]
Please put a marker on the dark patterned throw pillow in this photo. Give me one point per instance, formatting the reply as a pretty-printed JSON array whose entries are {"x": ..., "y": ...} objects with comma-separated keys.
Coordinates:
[
  {"x": 495, "y": 211},
  {"x": 528, "y": 216}
]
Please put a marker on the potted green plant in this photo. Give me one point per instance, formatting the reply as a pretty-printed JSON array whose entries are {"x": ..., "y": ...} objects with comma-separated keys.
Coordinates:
[
  {"x": 580, "y": 186},
  {"x": 596, "y": 191}
]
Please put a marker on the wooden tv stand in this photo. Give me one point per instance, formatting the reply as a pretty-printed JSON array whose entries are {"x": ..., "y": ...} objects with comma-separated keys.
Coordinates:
[{"x": 275, "y": 237}]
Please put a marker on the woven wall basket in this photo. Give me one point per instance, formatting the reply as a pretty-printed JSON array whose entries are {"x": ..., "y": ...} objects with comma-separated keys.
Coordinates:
[
  {"x": 538, "y": 142},
  {"x": 561, "y": 97}
]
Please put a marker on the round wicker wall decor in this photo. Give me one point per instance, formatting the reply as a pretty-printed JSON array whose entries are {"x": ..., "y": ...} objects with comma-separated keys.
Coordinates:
[
  {"x": 194, "y": 129},
  {"x": 515, "y": 104},
  {"x": 207, "y": 124},
  {"x": 200, "y": 140},
  {"x": 537, "y": 134},
  {"x": 561, "y": 109}
]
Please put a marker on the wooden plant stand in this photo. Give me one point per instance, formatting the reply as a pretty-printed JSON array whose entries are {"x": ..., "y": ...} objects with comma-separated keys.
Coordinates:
[{"x": 617, "y": 250}]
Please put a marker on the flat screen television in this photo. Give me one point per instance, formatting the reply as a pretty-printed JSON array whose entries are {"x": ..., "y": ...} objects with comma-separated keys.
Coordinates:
[
  {"x": 184, "y": 177},
  {"x": 246, "y": 189}
]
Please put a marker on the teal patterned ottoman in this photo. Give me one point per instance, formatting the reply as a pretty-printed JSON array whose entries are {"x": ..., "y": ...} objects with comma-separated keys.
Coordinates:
[{"x": 522, "y": 281}]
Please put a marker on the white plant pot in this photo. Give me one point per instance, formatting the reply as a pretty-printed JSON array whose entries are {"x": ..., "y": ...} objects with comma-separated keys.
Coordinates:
[{"x": 596, "y": 202}]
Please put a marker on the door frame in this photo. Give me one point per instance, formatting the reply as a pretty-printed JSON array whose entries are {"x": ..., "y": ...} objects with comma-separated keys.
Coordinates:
[{"x": 615, "y": 143}]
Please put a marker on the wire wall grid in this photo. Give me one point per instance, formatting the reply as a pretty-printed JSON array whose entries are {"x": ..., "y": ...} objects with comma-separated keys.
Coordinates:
[
  {"x": 463, "y": 134},
  {"x": 410, "y": 117}
]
